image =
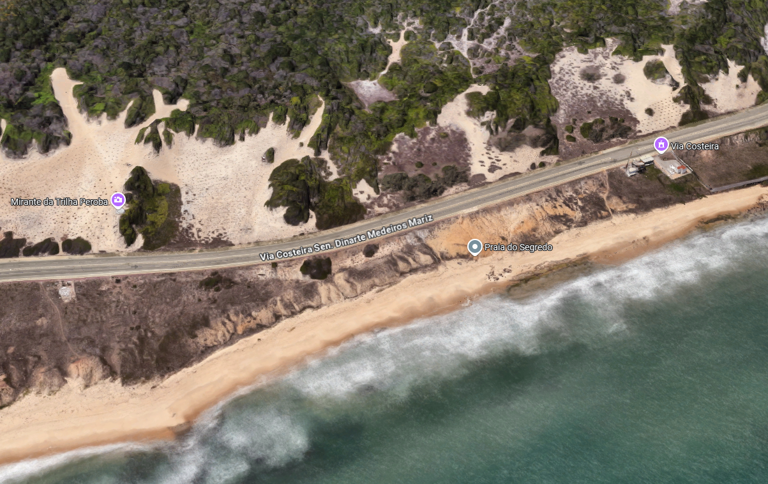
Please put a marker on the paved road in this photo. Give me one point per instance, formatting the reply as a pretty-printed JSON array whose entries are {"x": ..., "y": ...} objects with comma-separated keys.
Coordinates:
[{"x": 57, "y": 268}]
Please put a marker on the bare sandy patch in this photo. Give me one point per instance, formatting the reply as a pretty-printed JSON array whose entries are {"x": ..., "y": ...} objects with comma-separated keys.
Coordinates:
[
  {"x": 396, "y": 48},
  {"x": 96, "y": 164},
  {"x": 729, "y": 93},
  {"x": 223, "y": 189},
  {"x": 675, "y": 5},
  {"x": 371, "y": 92},
  {"x": 618, "y": 87},
  {"x": 485, "y": 159}
]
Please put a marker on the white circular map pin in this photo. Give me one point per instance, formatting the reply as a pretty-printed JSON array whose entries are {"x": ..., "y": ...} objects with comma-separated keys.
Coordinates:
[
  {"x": 474, "y": 247},
  {"x": 117, "y": 200},
  {"x": 661, "y": 144}
]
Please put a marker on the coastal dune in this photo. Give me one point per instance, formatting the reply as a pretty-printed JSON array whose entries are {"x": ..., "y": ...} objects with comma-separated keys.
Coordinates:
[{"x": 108, "y": 412}]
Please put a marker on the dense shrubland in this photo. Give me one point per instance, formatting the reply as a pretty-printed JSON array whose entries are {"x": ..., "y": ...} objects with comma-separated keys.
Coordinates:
[
  {"x": 152, "y": 210},
  {"x": 301, "y": 186},
  {"x": 238, "y": 62}
]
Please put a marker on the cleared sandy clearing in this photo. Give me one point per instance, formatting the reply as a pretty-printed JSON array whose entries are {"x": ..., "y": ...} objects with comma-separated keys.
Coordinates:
[
  {"x": 729, "y": 93},
  {"x": 577, "y": 96},
  {"x": 223, "y": 189},
  {"x": 675, "y": 5},
  {"x": 96, "y": 164},
  {"x": 454, "y": 114}
]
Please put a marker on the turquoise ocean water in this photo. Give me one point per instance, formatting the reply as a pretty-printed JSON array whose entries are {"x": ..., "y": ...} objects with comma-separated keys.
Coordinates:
[{"x": 655, "y": 371}]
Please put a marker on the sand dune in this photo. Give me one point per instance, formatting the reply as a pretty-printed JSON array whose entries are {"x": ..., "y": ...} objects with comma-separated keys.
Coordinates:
[
  {"x": 455, "y": 114},
  {"x": 223, "y": 189}
]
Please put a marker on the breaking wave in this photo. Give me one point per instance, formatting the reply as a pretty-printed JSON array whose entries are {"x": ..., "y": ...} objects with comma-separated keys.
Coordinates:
[{"x": 272, "y": 425}]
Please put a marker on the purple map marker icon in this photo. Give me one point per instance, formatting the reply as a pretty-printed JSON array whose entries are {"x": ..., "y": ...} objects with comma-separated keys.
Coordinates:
[
  {"x": 118, "y": 200},
  {"x": 661, "y": 144}
]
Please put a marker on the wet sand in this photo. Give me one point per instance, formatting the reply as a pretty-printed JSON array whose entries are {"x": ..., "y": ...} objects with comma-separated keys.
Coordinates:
[{"x": 107, "y": 412}]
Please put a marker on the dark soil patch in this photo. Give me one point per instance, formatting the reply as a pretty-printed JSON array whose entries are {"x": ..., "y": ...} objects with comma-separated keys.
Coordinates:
[
  {"x": 434, "y": 148},
  {"x": 741, "y": 157}
]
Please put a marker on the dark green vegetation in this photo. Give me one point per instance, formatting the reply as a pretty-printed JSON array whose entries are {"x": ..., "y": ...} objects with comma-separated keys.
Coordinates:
[
  {"x": 599, "y": 131},
  {"x": 216, "y": 282},
  {"x": 655, "y": 70},
  {"x": 77, "y": 246},
  {"x": 46, "y": 247},
  {"x": 300, "y": 185},
  {"x": 649, "y": 111},
  {"x": 421, "y": 187},
  {"x": 237, "y": 62},
  {"x": 10, "y": 247},
  {"x": 370, "y": 250},
  {"x": 153, "y": 211},
  {"x": 520, "y": 92},
  {"x": 319, "y": 268},
  {"x": 269, "y": 155}
]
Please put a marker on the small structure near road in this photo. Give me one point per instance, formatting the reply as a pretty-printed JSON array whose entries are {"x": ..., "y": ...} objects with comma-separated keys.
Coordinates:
[{"x": 671, "y": 165}]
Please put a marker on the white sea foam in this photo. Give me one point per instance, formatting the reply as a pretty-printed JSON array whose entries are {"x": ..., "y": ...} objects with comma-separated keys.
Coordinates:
[
  {"x": 25, "y": 469},
  {"x": 230, "y": 439}
]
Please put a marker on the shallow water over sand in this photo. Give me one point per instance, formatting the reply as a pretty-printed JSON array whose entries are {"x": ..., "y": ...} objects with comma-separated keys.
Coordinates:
[{"x": 653, "y": 371}]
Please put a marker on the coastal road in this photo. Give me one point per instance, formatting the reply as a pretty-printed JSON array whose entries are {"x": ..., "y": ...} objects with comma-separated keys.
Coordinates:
[{"x": 61, "y": 267}]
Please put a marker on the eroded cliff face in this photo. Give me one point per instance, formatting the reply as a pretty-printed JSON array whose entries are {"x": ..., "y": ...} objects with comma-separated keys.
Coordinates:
[{"x": 138, "y": 328}]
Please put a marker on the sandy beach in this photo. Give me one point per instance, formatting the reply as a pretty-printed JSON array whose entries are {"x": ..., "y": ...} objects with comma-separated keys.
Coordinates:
[{"x": 107, "y": 412}]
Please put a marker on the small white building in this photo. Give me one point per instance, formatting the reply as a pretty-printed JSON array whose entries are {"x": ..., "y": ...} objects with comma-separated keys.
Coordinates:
[
  {"x": 673, "y": 168},
  {"x": 647, "y": 160}
]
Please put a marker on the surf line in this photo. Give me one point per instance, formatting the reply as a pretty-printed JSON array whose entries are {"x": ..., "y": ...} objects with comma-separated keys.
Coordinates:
[{"x": 338, "y": 243}]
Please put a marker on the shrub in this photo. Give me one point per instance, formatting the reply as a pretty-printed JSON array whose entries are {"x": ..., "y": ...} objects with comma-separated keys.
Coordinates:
[
  {"x": 10, "y": 247},
  {"x": 46, "y": 247},
  {"x": 319, "y": 268},
  {"x": 370, "y": 250},
  {"x": 78, "y": 246}
]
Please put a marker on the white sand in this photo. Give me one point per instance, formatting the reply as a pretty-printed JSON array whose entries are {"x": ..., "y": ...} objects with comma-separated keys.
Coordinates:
[
  {"x": 223, "y": 189},
  {"x": 3, "y": 124},
  {"x": 107, "y": 412},
  {"x": 454, "y": 114},
  {"x": 674, "y": 5},
  {"x": 764, "y": 39},
  {"x": 96, "y": 164},
  {"x": 635, "y": 94},
  {"x": 364, "y": 192},
  {"x": 729, "y": 93},
  {"x": 396, "y": 48}
]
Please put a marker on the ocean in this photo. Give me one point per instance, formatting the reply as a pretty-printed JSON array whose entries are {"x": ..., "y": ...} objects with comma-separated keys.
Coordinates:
[{"x": 654, "y": 371}]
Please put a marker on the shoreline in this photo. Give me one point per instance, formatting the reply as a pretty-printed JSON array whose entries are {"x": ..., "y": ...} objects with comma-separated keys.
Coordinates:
[{"x": 37, "y": 426}]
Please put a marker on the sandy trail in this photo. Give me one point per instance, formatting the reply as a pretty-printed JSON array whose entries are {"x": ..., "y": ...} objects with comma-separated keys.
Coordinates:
[
  {"x": 107, "y": 412},
  {"x": 223, "y": 189},
  {"x": 96, "y": 164}
]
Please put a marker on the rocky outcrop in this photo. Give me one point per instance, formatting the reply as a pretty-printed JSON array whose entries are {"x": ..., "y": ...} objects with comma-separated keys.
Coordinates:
[
  {"x": 87, "y": 371},
  {"x": 46, "y": 380},
  {"x": 138, "y": 328}
]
